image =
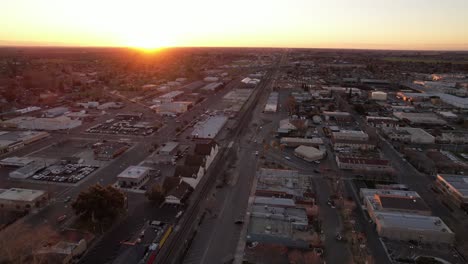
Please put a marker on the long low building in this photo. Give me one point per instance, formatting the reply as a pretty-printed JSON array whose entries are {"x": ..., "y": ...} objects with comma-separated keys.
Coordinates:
[
  {"x": 210, "y": 127},
  {"x": 56, "y": 123},
  {"x": 351, "y": 135},
  {"x": 363, "y": 164},
  {"x": 420, "y": 118},
  {"x": 455, "y": 187},
  {"x": 17, "y": 199},
  {"x": 11, "y": 140},
  {"x": 295, "y": 142},
  {"x": 411, "y": 134},
  {"x": 16, "y": 161},
  {"x": 271, "y": 105},
  {"x": 177, "y": 107},
  {"x": 353, "y": 144},
  {"x": 309, "y": 153},
  {"x": 383, "y": 202},
  {"x": 405, "y": 227}
]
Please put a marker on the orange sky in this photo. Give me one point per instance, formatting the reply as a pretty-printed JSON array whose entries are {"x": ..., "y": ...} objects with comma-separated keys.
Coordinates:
[{"x": 381, "y": 24}]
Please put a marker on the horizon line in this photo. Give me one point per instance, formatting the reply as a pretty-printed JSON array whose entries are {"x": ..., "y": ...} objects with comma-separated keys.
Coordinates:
[{"x": 225, "y": 47}]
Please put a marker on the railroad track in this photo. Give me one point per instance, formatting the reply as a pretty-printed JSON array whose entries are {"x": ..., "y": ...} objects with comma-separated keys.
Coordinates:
[{"x": 171, "y": 252}]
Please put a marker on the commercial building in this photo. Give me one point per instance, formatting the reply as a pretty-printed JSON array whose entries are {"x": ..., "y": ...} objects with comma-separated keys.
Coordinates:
[
  {"x": 338, "y": 116},
  {"x": 236, "y": 99},
  {"x": 133, "y": 177},
  {"x": 177, "y": 107},
  {"x": 109, "y": 150},
  {"x": 448, "y": 115},
  {"x": 212, "y": 87},
  {"x": 16, "y": 161},
  {"x": 454, "y": 187},
  {"x": 295, "y": 142},
  {"x": 382, "y": 122},
  {"x": 17, "y": 199},
  {"x": 277, "y": 231},
  {"x": 420, "y": 118},
  {"x": 129, "y": 116},
  {"x": 379, "y": 96},
  {"x": 250, "y": 81},
  {"x": 211, "y": 79},
  {"x": 411, "y": 134},
  {"x": 345, "y": 90},
  {"x": 453, "y": 100},
  {"x": 297, "y": 216},
  {"x": 365, "y": 192},
  {"x": 190, "y": 174},
  {"x": 351, "y": 135},
  {"x": 28, "y": 109},
  {"x": 110, "y": 105},
  {"x": 170, "y": 96},
  {"x": 352, "y": 144},
  {"x": 179, "y": 194},
  {"x": 209, "y": 128},
  {"x": 276, "y": 202},
  {"x": 30, "y": 169},
  {"x": 405, "y": 227},
  {"x": 54, "y": 112},
  {"x": 455, "y": 137},
  {"x": 363, "y": 164},
  {"x": 271, "y": 105},
  {"x": 381, "y": 202},
  {"x": 169, "y": 148},
  {"x": 193, "y": 86},
  {"x": 32, "y": 123},
  {"x": 309, "y": 153}
]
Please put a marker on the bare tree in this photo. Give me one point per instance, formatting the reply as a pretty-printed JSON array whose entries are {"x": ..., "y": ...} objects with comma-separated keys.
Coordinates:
[{"x": 19, "y": 241}]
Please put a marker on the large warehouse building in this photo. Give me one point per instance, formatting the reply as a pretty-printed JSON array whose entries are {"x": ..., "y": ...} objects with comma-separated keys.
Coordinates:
[
  {"x": 405, "y": 227},
  {"x": 17, "y": 199},
  {"x": 56, "y": 123},
  {"x": 309, "y": 153},
  {"x": 210, "y": 127}
]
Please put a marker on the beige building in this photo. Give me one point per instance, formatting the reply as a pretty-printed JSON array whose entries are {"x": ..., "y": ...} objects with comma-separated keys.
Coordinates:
[
  {"x": 405, "y": 227},
  {"x": 133, "y": 177},
  {"x": 17, "y": 199},
  {"x": 455, "y": 187}
]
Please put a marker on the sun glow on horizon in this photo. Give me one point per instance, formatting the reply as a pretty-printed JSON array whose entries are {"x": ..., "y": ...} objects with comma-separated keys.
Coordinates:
[{"x": 150, "y": 25}]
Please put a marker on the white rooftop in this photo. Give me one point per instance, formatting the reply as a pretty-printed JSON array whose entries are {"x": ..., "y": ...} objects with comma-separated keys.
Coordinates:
[
  {"x": 169, "y": 146},
  {"x": 171, "y": 94},
  {"x": 133, "y": 172},
  {"x": 274, "y": 201},
  {"x": 17, "y": 194},
  {"x": 210, "y": 127},
  {"x": 411, "y": 222},
  {"x": 457, "y": 182}
]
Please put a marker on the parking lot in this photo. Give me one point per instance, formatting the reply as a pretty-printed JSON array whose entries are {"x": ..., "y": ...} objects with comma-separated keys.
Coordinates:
[
  {"x": 69, "y": 173},
  {"x": 124, "y": 127}
]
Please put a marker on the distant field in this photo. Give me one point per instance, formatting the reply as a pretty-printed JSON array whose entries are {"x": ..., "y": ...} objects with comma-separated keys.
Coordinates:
[{"x": 425, "y": 60}]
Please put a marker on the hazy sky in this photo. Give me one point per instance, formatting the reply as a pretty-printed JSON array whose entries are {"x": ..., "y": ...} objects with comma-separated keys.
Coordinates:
[{"x": 394, "y": 24}]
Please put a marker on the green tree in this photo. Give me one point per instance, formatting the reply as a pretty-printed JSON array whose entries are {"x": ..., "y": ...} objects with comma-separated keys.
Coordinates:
[
  {"x": 155, "y": 194},
  {"x": 99, "y": 203}
]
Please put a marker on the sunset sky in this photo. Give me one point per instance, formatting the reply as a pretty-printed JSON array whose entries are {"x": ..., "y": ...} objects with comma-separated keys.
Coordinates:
[{"x": 379, "y": 24}]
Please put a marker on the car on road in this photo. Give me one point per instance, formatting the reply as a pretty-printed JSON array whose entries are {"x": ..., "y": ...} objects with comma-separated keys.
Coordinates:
[
  {"x": 68, "y": 199},
  {"x": 286, "y": 157},
  {"x": 316, "y": 171},
  {"x": 256, "y": 153},
  {"x": 239, "y": 221},
  {"x": 61, "y": 218},
  {"x": 339, "y": 237}
]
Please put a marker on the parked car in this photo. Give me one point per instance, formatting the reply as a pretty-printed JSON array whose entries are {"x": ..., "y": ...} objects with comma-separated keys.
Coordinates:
[{"x": 61, "y": 218}]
